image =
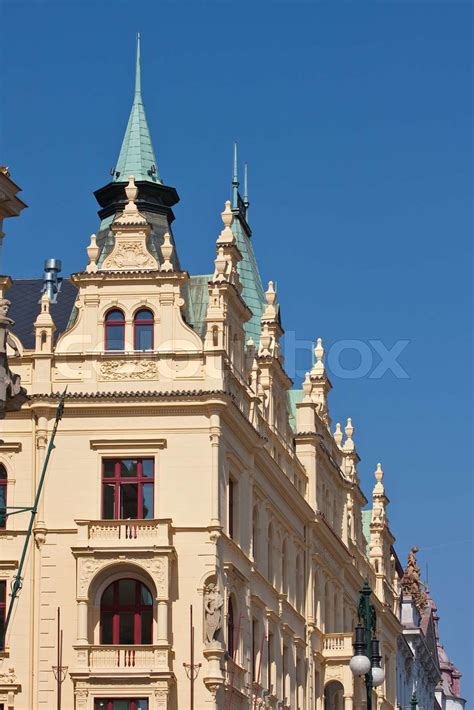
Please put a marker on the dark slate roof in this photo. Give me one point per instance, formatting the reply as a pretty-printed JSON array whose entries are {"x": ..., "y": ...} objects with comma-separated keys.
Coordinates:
[{"x": 25, "y": 295}]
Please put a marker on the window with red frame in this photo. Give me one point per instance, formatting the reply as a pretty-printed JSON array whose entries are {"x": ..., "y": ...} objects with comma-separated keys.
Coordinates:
[
  {"x": 3, "y": 610},
  {"x": 126, "y": 613},
  {"x": 3, "y": 497},
  {"x": 120, "y": 704},
  {"x": 127, "y": 489},
  {"x": 115, "y": 330},
  {"x": 143, "y": 323}
]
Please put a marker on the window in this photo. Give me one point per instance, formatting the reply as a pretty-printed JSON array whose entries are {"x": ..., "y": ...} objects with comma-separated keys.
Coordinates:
[
  {"x": 230, "y": 630},
  {"x": 143, "y": 330},
  {"x": 3, "y": 611},
  {"x": 126, "y": 613},
  {"x": 121, "y": 704},
  {"x": 3, "y": 497},
  {"x": 115, "y": 330},
  {"x": 127, "y": 489},
  {"x": 299, "y": 584}
]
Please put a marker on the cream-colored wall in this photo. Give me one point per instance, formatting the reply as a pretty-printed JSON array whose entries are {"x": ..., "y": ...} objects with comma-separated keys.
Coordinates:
[{"x": 194, "y": 411}]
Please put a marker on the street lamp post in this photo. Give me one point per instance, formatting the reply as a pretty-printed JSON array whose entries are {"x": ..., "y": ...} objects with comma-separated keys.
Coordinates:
[{"x": 366, "y": 658}]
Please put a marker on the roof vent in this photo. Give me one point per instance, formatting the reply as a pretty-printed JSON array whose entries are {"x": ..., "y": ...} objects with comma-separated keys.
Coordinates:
[{"x": 51, "y": 281}]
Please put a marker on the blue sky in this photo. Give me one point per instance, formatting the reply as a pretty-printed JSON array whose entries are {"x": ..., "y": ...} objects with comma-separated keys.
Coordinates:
[{"x": 356, "y": 121}]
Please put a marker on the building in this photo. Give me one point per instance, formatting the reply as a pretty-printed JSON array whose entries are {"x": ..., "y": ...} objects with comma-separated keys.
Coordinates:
[
  {"x": 10, "y": 203},
  {"x": 187, "y": 475},
  {"x": 424, "y": 671}
]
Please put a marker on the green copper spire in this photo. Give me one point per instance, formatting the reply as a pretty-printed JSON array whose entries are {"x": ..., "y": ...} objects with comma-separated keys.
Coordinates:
[{"x": 137, "y": 156}]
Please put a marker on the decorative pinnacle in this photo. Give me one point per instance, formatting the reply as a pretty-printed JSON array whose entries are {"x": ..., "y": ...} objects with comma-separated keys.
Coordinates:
[
  {"x": 338, "y": 434},
  {"x": 307, "y": 387},
  {"x": 349, "y": 430},
  {"x": 271, "y": 311},
  {"x": 318, "y": 367},
  {"x": 92, "y": 253},
  {"x": 379, "y": 473},
  {"x": 226, "y": 236},
  {"x": 379, "y": 487},
  {"x": 166, "y": 252}
]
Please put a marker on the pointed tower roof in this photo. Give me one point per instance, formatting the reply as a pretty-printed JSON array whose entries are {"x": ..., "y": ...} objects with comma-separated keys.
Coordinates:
[
  {"x": 137, "y": 156},
  {"x": 252, "y": 292}
]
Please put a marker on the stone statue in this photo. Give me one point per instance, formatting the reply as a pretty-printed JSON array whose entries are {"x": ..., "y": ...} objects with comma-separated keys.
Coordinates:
[
  {"x": 213, "y": 603},
  {"x": 12, "y": 394},
  {"x": 411, "y": 583}
]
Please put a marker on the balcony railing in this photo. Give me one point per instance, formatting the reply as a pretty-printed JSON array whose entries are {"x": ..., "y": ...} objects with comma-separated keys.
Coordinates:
[
  {"x": 128, "y": 533},
  {"x": 337, "y": 646},
  {"x": 117, "y": 659}
]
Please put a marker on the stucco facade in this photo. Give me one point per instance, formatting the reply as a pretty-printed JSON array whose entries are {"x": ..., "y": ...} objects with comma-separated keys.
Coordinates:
[{"x": 250, "y": 489}]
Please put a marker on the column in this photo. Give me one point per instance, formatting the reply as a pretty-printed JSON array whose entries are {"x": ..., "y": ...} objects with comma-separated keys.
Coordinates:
[
  {"x": 215, "y": 431},
  {"x": 162, "y": 618},
  {"x": 348, "y": 702},
  {"x": 82, "y": 622}
]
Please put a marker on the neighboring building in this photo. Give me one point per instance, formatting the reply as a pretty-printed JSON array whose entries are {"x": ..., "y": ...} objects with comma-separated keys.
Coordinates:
[
  {"x": 424, "y": 672},
  {"x": 177, "y": 481},
  {"x": 10, "y": 203}
]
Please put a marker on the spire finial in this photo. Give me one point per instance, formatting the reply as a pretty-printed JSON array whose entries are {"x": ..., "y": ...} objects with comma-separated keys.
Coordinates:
[
  {"x": 138, "y": 81},
  {"x": 338, "y": 434},
  {"x": 235, "y": 180},
  {"x": 246, "y": 188}
]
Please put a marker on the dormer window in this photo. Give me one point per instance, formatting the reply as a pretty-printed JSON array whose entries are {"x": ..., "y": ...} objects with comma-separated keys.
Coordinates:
[
  {"x": 115, "y": 330},
  {"x": 143, "y": 323}
]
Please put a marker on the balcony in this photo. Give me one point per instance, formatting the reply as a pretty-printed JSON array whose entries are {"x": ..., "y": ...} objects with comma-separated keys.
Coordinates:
[
  {"x": 337, "y": 646},
  {"x": 124, "y": 533},
  {"x": 121, "y": 660},
  {"x": 235, "y": 676}
]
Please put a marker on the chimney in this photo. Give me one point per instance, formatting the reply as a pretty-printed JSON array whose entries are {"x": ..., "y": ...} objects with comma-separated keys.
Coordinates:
[{"x": 51, "y": 281}]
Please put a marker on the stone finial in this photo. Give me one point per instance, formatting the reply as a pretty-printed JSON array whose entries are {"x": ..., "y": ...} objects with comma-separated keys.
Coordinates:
[
  {"x": 271, "y": 309},
  {"x": 166, "y": 252},
  {"x": 307, "y": 387},
  {"x": 92, "y": 253},
  {"x": 349, "y": 430},
  {"x": 379, "y": 488},
  {"x": 338, "y": 434},
  {"x": 226, "y": 237},
  {"x": 318, "y": 367},
  {"x": 131, "y": 190},
  {"x": 265, "y": 348},
  {"x": 220, "y": 263}
]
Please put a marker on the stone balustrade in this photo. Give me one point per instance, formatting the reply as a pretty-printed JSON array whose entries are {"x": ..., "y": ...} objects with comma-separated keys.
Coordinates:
[
  {"x": 337, "y": 646},
  {"x": 128, "y": 659},
  {"x": 126, "y": 533}
]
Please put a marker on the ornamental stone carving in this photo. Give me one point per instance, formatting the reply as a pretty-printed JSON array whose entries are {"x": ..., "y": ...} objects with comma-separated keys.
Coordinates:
[
  {"x": 129, "y": 370},
  {"x": 130, "y": 255},
  {"x": 88, "y": 567}
]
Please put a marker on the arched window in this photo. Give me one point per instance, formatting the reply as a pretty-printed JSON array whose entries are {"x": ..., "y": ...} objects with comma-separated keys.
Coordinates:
[
  {"x": 230, "y": 629},
  {"x": 115, "y": 330},
  {"x": 143, "y": 330},
  {"x": 126, "y": 613},
  {"x": 3, "y": 497}
]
